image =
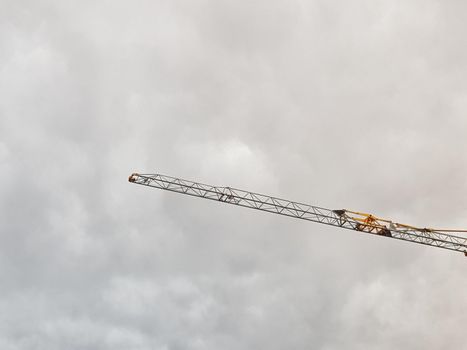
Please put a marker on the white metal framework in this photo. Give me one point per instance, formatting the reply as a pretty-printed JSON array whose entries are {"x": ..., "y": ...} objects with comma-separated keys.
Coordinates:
[{"x": 446, "y": 239}]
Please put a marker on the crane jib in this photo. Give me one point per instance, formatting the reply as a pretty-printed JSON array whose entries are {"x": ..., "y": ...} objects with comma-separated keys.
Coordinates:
[{"x": 343, "y": 218}]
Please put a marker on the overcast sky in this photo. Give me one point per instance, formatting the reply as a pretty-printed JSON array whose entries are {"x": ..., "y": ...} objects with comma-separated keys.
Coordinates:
[{"x": 342, "y": 104}]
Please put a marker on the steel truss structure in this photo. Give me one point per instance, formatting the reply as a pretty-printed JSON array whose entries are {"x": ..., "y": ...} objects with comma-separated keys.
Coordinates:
[{"x": 341, "y": 218}]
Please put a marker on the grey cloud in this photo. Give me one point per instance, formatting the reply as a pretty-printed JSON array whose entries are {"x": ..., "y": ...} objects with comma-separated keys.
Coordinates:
[{"x": 358, "y": 105}]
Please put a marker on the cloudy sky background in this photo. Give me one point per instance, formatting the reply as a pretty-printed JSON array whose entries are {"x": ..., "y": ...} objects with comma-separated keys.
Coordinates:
[{"x": 343, "y": 104}]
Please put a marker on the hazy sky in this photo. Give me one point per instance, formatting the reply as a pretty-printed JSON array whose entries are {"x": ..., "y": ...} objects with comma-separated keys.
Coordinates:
[{"x": 343, "y": 104}]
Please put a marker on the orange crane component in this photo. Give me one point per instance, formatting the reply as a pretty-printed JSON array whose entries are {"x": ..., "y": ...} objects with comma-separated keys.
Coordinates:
[{"x": 447, "y": 239}]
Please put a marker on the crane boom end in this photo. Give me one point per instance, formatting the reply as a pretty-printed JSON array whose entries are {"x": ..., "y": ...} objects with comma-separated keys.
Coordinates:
[{"x": 132, "y": 177}]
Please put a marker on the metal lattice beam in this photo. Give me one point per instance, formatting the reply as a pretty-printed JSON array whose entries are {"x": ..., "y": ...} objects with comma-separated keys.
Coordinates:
[{"x": 340, "y": 218}]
